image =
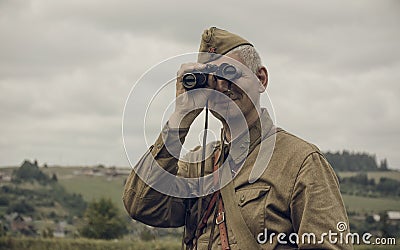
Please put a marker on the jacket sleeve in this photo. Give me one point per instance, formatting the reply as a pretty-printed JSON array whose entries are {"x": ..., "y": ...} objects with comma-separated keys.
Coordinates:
[
  {"x": 317, "y": 206},
  {"x": 142, "y": 197}
]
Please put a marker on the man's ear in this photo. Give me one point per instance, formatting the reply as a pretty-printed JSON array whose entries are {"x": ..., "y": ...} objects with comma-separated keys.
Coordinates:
[{"x": 262, "y": 76}]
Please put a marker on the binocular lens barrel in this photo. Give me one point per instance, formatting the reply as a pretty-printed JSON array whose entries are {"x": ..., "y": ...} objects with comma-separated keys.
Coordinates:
[
  {"x": 229, "y": 72},
  {"x": 198, "y": 79},
  {"x": 194, "y": 80}
]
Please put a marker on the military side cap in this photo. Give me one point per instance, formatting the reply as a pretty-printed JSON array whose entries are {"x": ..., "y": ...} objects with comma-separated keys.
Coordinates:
[{"x": 217, "y": 42}]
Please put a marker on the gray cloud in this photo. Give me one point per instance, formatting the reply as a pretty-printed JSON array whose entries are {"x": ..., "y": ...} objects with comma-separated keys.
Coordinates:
[{"x": 66, "y": 68}]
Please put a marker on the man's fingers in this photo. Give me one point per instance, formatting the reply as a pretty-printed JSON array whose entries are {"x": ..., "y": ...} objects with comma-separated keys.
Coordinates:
[
  {"x": 211, "y": 81},
  {"x": 189, "y": 67}
]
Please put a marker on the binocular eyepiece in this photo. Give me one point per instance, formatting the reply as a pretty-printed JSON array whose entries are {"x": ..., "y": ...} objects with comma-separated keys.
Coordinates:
[{"x": 199, "y": 78}]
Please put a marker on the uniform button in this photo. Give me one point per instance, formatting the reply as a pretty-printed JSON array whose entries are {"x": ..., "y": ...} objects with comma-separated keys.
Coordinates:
[{"x": 242, "y": 198}]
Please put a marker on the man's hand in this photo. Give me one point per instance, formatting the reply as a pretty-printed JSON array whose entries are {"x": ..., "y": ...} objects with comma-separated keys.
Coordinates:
[{"x": 189, "y": 104}]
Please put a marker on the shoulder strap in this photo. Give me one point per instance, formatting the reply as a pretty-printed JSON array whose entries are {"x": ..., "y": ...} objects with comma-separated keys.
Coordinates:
[
  {"x": 219, "y": 217},
  {"x": 245, "y": 239}
]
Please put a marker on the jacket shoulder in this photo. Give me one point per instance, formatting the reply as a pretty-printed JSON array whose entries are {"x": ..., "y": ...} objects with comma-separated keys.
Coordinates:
[{"x": 294, "y": 144}]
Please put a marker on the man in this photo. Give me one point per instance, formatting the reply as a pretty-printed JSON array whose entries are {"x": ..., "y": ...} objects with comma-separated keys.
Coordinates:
[{"x": 278, "y": 192}]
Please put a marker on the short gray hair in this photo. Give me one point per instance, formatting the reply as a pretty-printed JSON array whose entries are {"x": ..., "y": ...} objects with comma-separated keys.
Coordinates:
[{"x": 249, "y": 55}]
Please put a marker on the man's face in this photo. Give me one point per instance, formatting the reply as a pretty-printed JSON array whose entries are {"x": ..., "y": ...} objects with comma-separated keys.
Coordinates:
[{"x": 244, "y": 92}]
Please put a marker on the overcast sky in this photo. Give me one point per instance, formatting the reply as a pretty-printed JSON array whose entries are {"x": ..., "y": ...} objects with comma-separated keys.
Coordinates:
[{"x": 66, "y": 69}]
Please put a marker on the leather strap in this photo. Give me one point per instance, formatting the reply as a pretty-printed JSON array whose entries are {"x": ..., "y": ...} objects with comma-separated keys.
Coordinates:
[
  {"x": 223, "y": 232},
  {"x": 207, "y": 214},
  {"x": 220, "y": 216},
  {"x": 211, "y": 204}
]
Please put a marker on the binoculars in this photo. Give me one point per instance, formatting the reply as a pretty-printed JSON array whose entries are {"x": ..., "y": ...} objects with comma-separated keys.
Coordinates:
[{"x": 199, "y": 78}]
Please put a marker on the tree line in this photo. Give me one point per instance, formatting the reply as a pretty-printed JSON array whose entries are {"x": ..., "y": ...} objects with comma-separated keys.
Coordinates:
[
  {"x": 359, "y": 184},
  {"x": 355, "y": 162}
]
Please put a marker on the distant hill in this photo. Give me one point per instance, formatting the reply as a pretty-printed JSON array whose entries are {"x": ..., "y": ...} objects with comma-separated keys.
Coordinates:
[
  {"x": 32, "y": 196},
  {"x": 355, "y": 162},
  {"x": 51, "y": 197}
]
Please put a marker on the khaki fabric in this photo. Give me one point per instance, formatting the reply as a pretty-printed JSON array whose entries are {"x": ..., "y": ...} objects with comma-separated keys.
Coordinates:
[
  {"x": 216, "y": 42},
  {"x": 297, "y": 193}
]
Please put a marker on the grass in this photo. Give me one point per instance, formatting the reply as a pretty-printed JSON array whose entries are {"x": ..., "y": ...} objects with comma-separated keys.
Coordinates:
[
  {"x": 368, "y": 204},
  {"x": 373, "y": 247},
  {"x": 90, "y": 187},
  {"x": 86, "y": 244},
  {"x": 95, "y": 187},
  {"x": 11, "y": 243},
  {"x": 374, "y": 175}
]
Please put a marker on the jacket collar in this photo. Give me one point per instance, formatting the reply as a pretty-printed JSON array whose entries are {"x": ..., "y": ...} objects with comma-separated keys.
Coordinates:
[{"x": 243, "y": 145}]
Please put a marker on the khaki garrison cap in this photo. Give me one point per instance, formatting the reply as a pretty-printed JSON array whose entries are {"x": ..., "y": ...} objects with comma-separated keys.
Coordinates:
[{"x": 218, "y": 42}]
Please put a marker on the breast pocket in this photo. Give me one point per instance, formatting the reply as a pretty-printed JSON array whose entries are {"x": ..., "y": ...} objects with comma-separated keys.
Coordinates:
[{"x": 252, "y": 202}]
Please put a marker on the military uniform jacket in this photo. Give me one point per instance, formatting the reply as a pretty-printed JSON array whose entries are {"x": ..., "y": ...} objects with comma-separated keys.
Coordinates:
[{"x": 297, "y": 193}]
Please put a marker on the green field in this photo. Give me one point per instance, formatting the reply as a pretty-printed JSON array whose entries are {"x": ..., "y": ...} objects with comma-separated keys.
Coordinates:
[
  {"x": 10, "y": 243},
  {"x": 373, "y": 247},
  {"x": 95, "y": 187},
  {"x": 374, "y": 175},
  {"x": 90, "y": 187},
  {"x": 367, "y": 204},
  {"x": 85, "y": 244},
  {"x": 370, "y": 204}
]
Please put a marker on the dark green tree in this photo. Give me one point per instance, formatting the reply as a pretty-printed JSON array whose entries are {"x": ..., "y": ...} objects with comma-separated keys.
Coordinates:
[
  {"x": 388, "y": 186},
  {"x": 102, "y": 221},
  {"x": 21, "y": 207},
  {"x": 3, "y": 229},
  {"x": 351, "y": 161},
  {"x": 384, "y": 165},
  {"x": 29, "y": 172},
  {"x": 54, "y": 178}
]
